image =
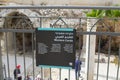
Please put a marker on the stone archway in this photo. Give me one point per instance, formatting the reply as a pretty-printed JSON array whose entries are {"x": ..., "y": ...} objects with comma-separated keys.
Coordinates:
[{"x": 17, "y": 20}]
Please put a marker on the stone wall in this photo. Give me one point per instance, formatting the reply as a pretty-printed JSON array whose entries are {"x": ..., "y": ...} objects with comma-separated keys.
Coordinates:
[{"x": 66, "y": 2}]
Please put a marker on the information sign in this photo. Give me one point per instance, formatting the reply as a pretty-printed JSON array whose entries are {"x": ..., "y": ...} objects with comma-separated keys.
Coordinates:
[{"x": 55, "y": 47}]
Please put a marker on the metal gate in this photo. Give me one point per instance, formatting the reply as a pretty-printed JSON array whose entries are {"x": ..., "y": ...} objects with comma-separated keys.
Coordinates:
[{"x": 97, "y": 42}]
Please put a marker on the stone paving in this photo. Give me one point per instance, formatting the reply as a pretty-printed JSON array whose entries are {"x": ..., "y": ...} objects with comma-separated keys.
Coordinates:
[{"x": 55, "y": 72}]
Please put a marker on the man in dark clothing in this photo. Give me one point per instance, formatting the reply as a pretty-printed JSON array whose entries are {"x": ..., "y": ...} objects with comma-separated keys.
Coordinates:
[
  {"x": 17, "y": 73},
  {"x": 78, "y": 64}
]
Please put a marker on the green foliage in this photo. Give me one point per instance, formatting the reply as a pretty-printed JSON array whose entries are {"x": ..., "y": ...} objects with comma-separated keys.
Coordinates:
[
  {"x": 95, "y": 13},
  {"x": 115, "y": 13},
  {"x": 103, "y": 13}
]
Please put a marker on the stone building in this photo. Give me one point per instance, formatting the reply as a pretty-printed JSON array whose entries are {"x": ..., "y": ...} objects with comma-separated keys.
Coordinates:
[
  {"x": 65, "y": 2},
  {"x": 30, "y": 19}
]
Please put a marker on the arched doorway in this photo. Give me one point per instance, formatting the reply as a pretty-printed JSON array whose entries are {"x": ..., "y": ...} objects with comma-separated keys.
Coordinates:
[{"x": 17, "y": 20}]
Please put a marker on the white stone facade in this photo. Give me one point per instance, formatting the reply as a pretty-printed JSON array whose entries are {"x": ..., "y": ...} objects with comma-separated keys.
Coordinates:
[{"x": 65, "y": 2}]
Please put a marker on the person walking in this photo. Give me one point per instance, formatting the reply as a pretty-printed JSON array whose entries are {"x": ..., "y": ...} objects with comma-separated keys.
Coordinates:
[
  {"x": 78, "y": 64},
  {"x": 28, "y": 78},
  {"x": 17, "y": 73}
]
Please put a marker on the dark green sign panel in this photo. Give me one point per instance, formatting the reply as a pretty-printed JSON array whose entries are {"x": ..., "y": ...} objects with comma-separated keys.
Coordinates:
[{"x": 55, "y": 47}]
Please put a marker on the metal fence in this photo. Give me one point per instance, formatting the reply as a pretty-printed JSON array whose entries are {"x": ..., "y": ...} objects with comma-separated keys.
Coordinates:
[{"x": 97, "y": 42}]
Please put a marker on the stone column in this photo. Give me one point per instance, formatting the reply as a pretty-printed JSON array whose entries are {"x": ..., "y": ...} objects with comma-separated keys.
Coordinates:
[{"x": 90, "y": 50}]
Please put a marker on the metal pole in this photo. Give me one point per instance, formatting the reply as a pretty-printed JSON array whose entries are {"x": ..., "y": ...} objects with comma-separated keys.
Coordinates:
[
  {"x": 69, "y": 74},
  {"x": 60, "y": 74},
  {"x": 117, "y": 77},
  {"x": 5, "y": 74},
  {"x": 1, "y": 66},
  {"x": 59, "y": 7}
]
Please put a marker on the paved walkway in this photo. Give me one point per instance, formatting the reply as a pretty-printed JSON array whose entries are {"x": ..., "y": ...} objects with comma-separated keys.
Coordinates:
[{"x": 55, "y": 72}]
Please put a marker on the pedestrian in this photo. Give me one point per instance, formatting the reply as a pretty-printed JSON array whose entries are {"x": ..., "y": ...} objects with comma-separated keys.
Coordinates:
[
  {"x": 78, "y": 64},
  {"x": 38, "y": 77},
  {"x": 17, "y": 73},
  {"x": 28, "y": 78}
]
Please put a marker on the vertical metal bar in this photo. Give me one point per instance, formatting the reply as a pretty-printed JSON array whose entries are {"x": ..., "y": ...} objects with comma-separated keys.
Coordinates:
[
  {"x": 42, "y": 72},
  {"x": 23, "y": 35},
  {"x": 60, "y": 74},
  {"x": 69, "y": 74},
  {"x": 117, "y": 77},
  {"x": 15, "y": 51},
  {"x": 50, "y": 73},
  {"x": 40, "y": 21},
  {"x": 51, "y": 25},
  {"x": 80, "y": 23},
  {"x": 60, "y": 26},
  {"x": 5, "y": 72},
  {"x": 35, "y": 48},
  {"x": 33, "y": 55},
  {"x": 1, "y": 64},
  {"x": 88, "y": 57},
  {"x": 7, "y": 54},
  {"x": 99, "y": 41},
  {"x": 109, "y": 50}
]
